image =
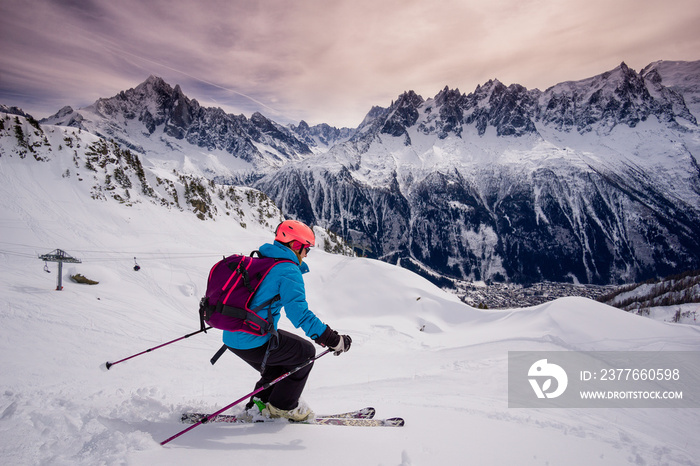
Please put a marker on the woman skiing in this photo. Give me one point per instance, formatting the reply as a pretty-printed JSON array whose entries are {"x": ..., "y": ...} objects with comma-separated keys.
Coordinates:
[{"x": 275, "y": 356}]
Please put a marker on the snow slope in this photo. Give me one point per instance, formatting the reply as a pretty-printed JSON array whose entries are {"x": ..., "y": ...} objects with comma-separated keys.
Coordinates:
[{"x": 448, "y": 381}]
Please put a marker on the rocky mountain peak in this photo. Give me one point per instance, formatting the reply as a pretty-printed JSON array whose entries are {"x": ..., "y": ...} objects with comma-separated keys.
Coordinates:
[
  {"x": 321, "y": 136},
  {"x": 408, "y": 99},
  {"x": 619, "y": 96},
  {"x": 403, "y": 114},
  {"x": 448, "y": 96}
]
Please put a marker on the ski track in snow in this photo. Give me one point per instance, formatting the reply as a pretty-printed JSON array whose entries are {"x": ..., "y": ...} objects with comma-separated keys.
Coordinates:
[{"x": 449, "y": 381}]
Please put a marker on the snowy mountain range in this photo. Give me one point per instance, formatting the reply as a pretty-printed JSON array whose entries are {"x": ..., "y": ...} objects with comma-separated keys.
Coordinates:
[
  {"x": 593, "y": 181},
  {"x": 418, "y": 351}
]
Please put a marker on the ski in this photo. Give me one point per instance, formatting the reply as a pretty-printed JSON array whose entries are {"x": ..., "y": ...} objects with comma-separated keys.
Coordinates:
[
  {"x": 357, "y": 422},
  {"x": 193, "y": 418},
  {"x": 364, "y": 413},
  {"x": 328, "y": 421}
]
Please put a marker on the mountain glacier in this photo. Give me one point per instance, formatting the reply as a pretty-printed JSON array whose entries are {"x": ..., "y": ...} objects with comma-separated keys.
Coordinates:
[{"x": 592, "y": 181}]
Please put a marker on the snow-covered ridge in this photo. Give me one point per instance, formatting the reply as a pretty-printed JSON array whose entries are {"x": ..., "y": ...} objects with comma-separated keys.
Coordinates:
[
  {"x": 678, "y": 294},
  {"x": 102, "y": 170}
]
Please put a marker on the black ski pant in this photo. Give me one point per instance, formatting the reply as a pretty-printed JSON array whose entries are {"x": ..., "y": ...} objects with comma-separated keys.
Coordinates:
[{"x": 291, "y": 352}]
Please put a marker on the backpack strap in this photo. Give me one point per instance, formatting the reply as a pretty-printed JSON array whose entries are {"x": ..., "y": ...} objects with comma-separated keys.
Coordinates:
[
  {"x": 204, "y": 313},
  {"x": 272, "y": 345},
  {"x": 218, "y": 354},
  {"x": 251, "y": 318}
]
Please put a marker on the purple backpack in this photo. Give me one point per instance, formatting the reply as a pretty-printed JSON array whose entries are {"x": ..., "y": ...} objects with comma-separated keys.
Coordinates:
[{"x": 232, "y": 284}]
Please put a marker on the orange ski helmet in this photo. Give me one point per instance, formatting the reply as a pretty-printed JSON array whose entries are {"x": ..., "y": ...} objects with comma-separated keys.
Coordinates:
[{"x": 291, "y": 230}]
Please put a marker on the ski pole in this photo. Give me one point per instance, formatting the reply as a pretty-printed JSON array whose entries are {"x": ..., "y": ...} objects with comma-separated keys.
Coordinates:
[
  {"x": 253, "y": 393},
  {"x": 108, "y": 364}
]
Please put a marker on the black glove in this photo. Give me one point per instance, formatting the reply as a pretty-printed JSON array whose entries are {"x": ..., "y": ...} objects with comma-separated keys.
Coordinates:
[
  {"x": 331, "y": 339},
  {"x": 343, "y": 345}
]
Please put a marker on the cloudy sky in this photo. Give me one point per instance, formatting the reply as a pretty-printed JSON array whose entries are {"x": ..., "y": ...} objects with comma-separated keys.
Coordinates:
[{"x": 324, "y": 61}]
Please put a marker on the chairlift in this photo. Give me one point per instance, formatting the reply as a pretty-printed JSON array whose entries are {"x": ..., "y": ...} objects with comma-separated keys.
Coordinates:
[
  {"x": 137, "y": 267},
  {"x": 46, "y": 267}
]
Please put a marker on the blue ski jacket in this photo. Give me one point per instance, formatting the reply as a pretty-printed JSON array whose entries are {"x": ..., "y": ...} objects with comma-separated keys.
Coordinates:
[{"x": 286, "y": 280}]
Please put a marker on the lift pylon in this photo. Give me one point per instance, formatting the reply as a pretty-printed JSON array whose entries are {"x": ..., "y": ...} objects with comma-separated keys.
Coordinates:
[{"x": 59, "y": 256}]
